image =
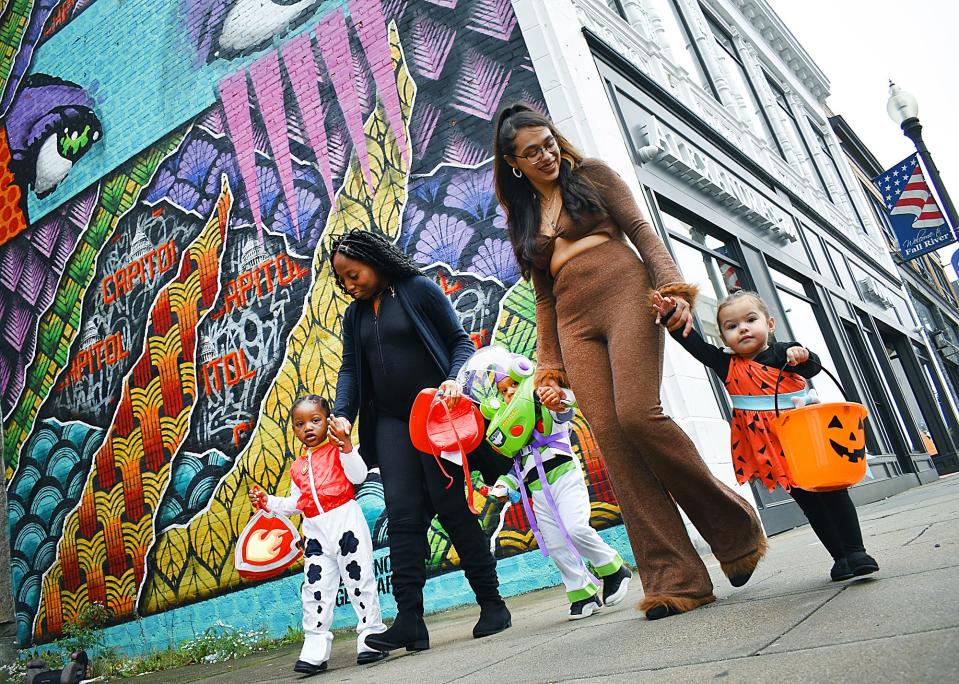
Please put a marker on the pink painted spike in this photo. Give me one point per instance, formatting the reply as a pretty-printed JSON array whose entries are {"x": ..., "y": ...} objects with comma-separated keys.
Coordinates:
[
  {"x": 304, "y": 76},
  {"x": 236, "y": 106},
  {"x": 334, "y": 40},
  {"x": 370, "y": 25},
  {"x": 265, "y": 74}
]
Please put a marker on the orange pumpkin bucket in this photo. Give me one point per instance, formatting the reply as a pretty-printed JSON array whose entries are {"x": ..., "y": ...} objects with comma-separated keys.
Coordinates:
[{"x": 824, "y": 444}]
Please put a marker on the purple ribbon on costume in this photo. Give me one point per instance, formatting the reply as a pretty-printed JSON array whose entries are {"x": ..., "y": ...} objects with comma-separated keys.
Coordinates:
[
  {"x": 555, "y": 441},
  {"x": 538, "y": 439}
]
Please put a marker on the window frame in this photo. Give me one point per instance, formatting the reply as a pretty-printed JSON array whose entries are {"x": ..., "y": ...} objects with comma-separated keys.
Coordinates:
[
  {"x": 783, "y": 103},
  {"x": 715, "y": 26}
]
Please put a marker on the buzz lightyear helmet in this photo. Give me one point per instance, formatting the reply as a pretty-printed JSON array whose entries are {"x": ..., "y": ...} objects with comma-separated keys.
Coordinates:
[{"x": 510, "y": 425}]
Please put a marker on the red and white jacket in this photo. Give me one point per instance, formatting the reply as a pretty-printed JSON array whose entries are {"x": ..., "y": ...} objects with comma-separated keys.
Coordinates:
[{"x": 321, "y": 479}]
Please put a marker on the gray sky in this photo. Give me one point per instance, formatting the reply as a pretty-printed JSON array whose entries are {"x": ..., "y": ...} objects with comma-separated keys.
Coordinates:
[{"x": 861, "y": 44}]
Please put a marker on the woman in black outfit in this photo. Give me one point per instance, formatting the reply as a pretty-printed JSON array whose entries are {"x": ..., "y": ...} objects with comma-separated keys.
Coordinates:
[{"x": 401, "y": 335}]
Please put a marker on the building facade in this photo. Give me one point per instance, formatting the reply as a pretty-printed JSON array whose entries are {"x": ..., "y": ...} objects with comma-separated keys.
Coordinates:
[
  {"x": 171, "y": 174},
  {"x": 934, "y": 298},
  {"x": 717, "y": 114}
]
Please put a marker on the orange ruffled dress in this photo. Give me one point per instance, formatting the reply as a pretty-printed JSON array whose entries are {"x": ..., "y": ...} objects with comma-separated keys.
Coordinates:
[{"x": 756, "y": 450}]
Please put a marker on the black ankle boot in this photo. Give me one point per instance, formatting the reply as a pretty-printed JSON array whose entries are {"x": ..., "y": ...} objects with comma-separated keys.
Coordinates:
[
  {"x": 841, "y": 570},
  {"x": 494, "y": 618},
  {"x": 861, "y": 563},
  {"x": 407, "y": 631}
]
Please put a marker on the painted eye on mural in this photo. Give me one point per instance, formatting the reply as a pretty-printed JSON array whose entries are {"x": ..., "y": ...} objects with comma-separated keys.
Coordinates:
[
  {"x": 51, "y": 124},
  {"x": 78, "y": 129},
  {"x": 238, "y": 27}
]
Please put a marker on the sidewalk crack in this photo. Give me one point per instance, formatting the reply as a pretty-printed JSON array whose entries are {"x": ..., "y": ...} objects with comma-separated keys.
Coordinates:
[
  {"x": 924, "y": 529},
  {"x": 811, "y": 613}
]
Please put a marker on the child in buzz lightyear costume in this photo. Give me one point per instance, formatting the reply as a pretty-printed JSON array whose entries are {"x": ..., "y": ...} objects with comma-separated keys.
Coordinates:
[{"x": 534, "y": 429}]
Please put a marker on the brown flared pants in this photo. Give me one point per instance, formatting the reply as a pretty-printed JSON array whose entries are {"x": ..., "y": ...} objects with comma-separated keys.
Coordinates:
[{"x": 613, "y": 353}]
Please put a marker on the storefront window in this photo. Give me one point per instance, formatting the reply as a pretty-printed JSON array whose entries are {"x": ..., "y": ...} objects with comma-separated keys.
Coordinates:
[
  {"x": 803, "y": 327},
  {"x": 840, "y": 267},
  {"x": 704, "y": 260},
  {"x": 907, "y": 391},
  {"x": 818, "y": 255},
  {"x": 942, "y": 401}
]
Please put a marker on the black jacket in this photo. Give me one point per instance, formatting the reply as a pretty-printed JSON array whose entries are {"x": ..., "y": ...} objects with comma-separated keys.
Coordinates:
[{"x": 444, "y": 337}]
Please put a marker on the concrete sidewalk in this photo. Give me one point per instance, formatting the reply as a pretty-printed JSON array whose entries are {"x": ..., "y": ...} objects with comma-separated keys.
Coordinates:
[{"x": 789, "y": 624}]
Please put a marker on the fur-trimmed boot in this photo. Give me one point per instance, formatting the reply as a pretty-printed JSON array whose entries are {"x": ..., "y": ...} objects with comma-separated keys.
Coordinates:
[
  {"x": 657, "y": 607},
  {"x": 740, "y": 570}
]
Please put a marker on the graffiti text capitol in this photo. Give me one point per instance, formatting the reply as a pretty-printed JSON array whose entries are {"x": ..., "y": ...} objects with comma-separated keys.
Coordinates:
[
  {"x": 95, "y": 357},
  {"x": 158, "y": 260},
  {"x": 228, "y": 369},
  {"x": 251, "y": 285}
]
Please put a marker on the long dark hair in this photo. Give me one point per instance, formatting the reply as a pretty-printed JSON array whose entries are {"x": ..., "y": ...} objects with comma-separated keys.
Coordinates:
[
  {"x": 373, "y": 250},
  {"x": 519, "y": 197}
]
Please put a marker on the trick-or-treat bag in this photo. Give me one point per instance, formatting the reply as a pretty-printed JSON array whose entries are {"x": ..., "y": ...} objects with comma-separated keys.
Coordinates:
[{"x": 268, "y": 545}]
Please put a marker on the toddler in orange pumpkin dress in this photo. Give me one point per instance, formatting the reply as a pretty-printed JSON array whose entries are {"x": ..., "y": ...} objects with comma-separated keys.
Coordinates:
[{"x": 749, "y": 367}]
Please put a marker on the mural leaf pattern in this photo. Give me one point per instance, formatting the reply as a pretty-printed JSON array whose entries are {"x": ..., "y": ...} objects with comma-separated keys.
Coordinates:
[
  {"x": 58, "y": 326},
  {"x": 114, "y": 519},
  {"x": 195, "y": 562}
]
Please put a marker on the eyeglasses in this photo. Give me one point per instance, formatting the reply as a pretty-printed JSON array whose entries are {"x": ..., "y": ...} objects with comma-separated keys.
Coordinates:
[{"x": 538, "y": 152}]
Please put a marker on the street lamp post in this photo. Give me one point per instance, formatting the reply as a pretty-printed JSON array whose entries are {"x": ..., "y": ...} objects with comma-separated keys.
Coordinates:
[{"x": 904, "y": 110}]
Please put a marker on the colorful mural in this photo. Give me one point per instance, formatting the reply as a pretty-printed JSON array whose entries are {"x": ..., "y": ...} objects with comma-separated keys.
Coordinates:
[{"x": 164, "y": 294}]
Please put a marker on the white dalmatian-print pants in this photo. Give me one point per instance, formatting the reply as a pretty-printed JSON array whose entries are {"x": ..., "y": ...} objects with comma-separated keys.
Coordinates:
[{"x": 337, "y": 545}]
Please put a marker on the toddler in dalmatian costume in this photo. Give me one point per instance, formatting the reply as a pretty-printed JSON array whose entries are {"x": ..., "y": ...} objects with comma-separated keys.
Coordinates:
[{"x": 337, "y": 542}]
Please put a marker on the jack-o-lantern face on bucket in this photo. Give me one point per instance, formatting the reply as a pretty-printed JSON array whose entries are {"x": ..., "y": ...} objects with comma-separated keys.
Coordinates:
[{"x": 846, "y": 441}]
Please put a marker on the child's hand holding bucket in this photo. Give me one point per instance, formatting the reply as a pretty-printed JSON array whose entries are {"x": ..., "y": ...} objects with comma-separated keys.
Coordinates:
[{"x": 797, "y": 355}]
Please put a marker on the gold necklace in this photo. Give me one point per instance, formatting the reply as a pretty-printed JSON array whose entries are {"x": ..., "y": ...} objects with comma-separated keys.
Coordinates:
[{"x": 548, "y": 209}]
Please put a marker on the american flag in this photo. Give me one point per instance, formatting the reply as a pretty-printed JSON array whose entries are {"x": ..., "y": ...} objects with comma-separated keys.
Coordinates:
[
  {"x": 916, "y": 219},
  {"x": 906, "y": 192}
]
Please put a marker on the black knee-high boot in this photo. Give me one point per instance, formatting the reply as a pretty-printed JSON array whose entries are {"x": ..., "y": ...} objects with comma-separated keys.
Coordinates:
[
  {"x": 479, "y": 566},
  {"x": 408, "y": 566}
]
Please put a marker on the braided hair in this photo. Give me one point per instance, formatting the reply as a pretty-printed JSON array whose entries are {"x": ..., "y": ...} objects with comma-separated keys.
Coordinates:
[
  {"x": 373, "y": 250},
  {"x": 312, "y": 399}
]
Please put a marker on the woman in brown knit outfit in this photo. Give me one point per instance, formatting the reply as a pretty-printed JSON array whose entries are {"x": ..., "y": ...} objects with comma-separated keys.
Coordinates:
[{"x": 569, "y": 218}]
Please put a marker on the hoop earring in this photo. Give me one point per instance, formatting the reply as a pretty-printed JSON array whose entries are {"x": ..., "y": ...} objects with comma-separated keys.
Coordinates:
[{"x": 517, "y": 172}]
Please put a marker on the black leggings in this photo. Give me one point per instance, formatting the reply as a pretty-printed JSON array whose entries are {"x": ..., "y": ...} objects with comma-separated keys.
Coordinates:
[
  {"x": 415, "y": 489},
  {"x": 832, "y": 516}
]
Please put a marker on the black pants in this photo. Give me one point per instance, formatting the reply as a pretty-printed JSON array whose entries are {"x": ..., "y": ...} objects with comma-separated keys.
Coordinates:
[
  {"x": 415, "y": 488},
  {"x": 832, "y": 516}
]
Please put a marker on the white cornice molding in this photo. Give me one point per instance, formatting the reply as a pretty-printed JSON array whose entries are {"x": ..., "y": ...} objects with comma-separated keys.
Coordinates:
[{"x": 784, "y": 43}]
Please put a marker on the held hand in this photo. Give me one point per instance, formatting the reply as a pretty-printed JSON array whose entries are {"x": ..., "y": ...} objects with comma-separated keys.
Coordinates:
[
  {"x": 340, "y": 426},
  {"x": 337, "y": 432},
  {"x": 344, "y": 444},
  {"x": 257, "y": 497},
  {"x": 797, "y": 355},
  {"x": 552, "y": 397},
  {"x": 680, "y": 313},
  {"x": 451, "y": 391},
  {"x": 663, "y": 307},
  {"x": 549, "y": 383}
]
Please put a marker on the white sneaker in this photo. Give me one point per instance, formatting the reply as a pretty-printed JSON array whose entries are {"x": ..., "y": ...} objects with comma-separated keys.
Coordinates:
[{"x": 584, "y": 607}]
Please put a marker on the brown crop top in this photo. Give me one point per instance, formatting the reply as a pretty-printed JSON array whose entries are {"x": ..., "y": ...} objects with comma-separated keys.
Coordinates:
[{"x": 622, "y": 220}]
